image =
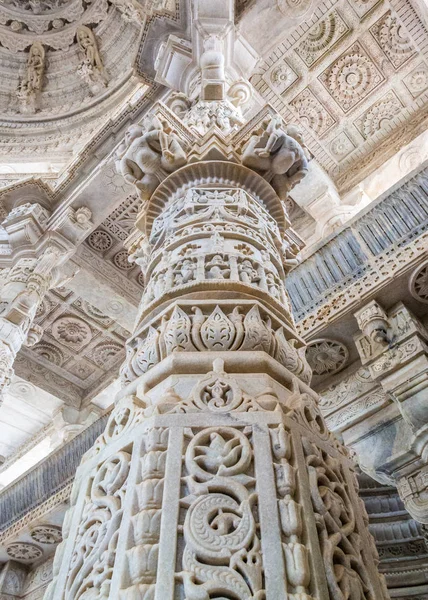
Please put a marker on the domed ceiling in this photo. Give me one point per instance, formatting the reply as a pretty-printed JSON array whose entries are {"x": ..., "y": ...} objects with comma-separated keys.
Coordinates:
[{"x": 66, "y": 66}]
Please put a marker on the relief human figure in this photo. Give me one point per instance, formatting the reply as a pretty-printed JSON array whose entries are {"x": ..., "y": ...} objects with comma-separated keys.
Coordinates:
[
  {"x": 184, "y": 272},
  {"x": 272, "y": 285},
  {"x": 218, "y": 268},
  {"x": 275, "y": 133},
  {"x": 88, "y": 45},
  {"x": 91, "y": 69},
  {"x": 31, "y": 83},
  {"x": 247, "y": 273},
  {"x": 278, "y": 155}
]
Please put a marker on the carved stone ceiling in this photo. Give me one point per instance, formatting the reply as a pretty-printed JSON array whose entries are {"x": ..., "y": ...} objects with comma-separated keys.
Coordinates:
[
  {"x": 74, "y": 98},
  {"x": 355, "y": 76},
  {"x": 80, "y": 351}
]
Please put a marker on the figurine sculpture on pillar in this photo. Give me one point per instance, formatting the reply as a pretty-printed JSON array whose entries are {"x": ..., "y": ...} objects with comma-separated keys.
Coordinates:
[{"x": 216, "y": 476}]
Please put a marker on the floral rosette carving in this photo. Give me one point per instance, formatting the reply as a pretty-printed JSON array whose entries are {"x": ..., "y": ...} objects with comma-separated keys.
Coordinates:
[{"x": 222, "y": 550}]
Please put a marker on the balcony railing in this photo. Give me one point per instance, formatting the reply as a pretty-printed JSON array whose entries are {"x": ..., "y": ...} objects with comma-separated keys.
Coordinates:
[
  {"x": 47, "y": 478},
  {"x": 394, "y": 222}
]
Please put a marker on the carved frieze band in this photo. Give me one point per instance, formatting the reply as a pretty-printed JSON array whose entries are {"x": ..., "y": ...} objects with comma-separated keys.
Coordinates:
[{"x": 226, "y": 326}]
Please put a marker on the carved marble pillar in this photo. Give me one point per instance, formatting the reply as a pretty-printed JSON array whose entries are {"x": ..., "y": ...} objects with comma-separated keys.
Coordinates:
[
  {"x": 216, "y": 476},
  {"x": 394, "y": 347},
  {"x": 12, "y": 579},
  {"x": 35, "y": 258}
]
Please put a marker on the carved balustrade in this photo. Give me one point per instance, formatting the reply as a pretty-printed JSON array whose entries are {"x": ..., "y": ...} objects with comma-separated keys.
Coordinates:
[{"x": 364, "y": 255}]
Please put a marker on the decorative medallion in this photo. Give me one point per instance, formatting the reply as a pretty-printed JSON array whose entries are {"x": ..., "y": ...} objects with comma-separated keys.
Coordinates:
[
  {"x": 49, "y": 352},
  {"x": 417, "y": 81},
  {"x": 381, "y": 114},
  {"x": 105, "y": 353},
  {"x": 100, "y": 240},
  {"x": 280, "y": 76},
  {"x": 326, "y": 357},
  {"x": 419, "y": 283},
  {"x": 351, "y": 77},
  {"x": 341, "y": 146},
  {"x": 47, "y": 534},
  {"x": 295, "y": 9},
  {"x": 393, "y": 39},
  {"x": 121, "y": 261},
  {"x": 71, "y": 330},
  {"x": 24, "y": 552},
  {"x": 321, "y": 37},
  {"x": 362, "y": 7},
  {"x": 313, "y": 114}
]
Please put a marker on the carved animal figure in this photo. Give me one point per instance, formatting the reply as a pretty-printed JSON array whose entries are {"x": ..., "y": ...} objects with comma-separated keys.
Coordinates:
[
  {"x": 278, "y": 156},
  {"x": 144, "y": 153}
]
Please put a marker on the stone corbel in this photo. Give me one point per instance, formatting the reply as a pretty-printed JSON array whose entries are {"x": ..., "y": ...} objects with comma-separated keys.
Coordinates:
[
  {"x": 25, "y": 224},
  {"x": 76, "y": 223},
  {"x": 69, "y": 422},
  {"x": 12, "y": 580},
  {"x": 413, "y": 491},
  {"x": 373, "y": 322}
]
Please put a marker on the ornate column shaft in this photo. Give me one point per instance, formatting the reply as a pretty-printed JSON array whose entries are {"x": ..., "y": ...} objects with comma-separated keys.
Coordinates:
[
  {"x": 216, "y": 476},
  {"x": 36, "y": 256},
  {"x": 394, "y": 348}
]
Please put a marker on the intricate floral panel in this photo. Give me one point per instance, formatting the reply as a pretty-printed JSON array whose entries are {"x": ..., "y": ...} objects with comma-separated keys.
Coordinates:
[
  {"x": 312, "y": 112},
  {"x": 394, "y": 40},
  {"x": 380, "y": 115},
  {"x": 333, "y": 70},
  {"x": 79, "y": 344},
  {"x": 352, "y": 77},
  {"x": 94, "y": 554},
  {"x": 321, "y": 37}
]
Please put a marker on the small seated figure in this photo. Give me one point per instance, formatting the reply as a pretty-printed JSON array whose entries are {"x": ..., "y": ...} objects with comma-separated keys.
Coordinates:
[
  {"x": 247, "y": 273},
  {"x": 167, "y": 139},
  {"x": 272, "y": 285},
  {"x": 184, "y": 272},
  {"x": 217, "y": 268},
  {"x": 160, "y": 283},
  {"x": 290, "y": 254}
]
